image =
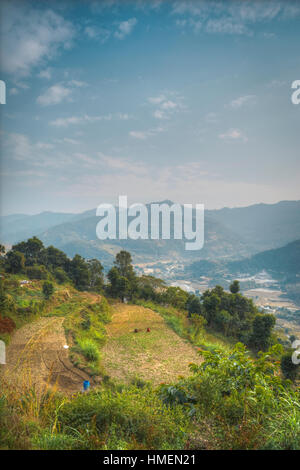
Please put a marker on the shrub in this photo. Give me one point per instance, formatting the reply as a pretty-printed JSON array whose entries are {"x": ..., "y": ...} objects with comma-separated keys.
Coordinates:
[
  {"x": 37, "y": 272},
  {"x": 288, "y": 368},
  {"x": 89, "y": 349},
  {"x": 60, "y": 275},
  {"x": 48, "y": 289},
  {"x": 247, "y": 401},
  {"x": 130, "y": 417}
]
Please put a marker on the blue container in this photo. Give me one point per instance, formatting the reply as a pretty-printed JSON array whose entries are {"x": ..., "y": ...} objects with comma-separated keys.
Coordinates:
[{"x": 86, "y": 385}]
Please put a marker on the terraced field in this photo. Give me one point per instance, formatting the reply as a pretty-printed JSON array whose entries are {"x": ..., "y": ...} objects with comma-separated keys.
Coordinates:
[
  {"x": 36, "y": 357},
  {"x": 159, "y": 355}
]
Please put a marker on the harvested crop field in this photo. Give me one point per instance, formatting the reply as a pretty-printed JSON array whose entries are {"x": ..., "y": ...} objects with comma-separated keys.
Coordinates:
[
  {"x": 36, "y": 358},
  {"x": 157, "y": 356}
]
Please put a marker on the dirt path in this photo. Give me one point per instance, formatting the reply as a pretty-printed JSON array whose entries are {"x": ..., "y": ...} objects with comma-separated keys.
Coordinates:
[
  {"x": 36, "y": 356},
  {"x": 158, "y": 356}
]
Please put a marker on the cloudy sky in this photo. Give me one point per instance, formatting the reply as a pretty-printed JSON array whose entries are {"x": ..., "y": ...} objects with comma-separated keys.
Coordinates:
[{"x": 181, "y": 100}]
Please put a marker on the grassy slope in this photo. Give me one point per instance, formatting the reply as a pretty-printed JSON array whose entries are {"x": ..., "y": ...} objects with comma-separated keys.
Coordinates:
[
  {"x": 157, "y": 356},
  {"x": 72, "y": 308}
]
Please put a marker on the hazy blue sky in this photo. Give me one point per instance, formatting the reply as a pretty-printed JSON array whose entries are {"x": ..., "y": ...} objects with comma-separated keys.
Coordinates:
[{"x": 184, "y": 100}]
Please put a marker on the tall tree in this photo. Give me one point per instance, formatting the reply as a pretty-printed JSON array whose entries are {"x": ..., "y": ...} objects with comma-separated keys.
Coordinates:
[
  {"x": 14, "y": 262},
  {"x": 262, "y": 329},
  {"x": 234, "y": 287},
  {"x": 96, "y": 274},
  {"x": 123, "y": 263},
  {"x": 31, "y": 250},
  {"x": 79, "y": 273}
]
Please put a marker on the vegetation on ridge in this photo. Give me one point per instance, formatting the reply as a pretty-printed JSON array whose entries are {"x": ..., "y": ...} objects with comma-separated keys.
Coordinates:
[{"x": 233, "y": 397}]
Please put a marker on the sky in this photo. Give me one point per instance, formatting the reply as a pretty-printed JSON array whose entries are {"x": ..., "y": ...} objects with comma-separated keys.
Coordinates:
[{"x": 182, "y": 100}]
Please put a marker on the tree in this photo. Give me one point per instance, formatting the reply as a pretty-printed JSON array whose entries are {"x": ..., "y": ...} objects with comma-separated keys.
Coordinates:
[
  {"x": 211, "y": 304},
  {"x": 79, "y": 273},
  {"x": 2, "y": 249},
  {"x": 119, "y": 285},
  {"x": 234, "y": 287},
  {"x": 288, "y": 368},
  {"x": 37, "y": 272},
  {"x": 31, "y": 249},
  {"x": 123, "y": 287},
  {"x": 194, "y": 305},
  {"x": 96, "y": 274},
  {"x": 14, "y": 262},
  {"x": 113, "y": 277},
  {"x": 262, "y": 329},
  {"x": 60, "y": 275},
  {"x": 48, "y": 289},
  {"x": 54, "y": 258},
  {"x": 223, "y": 320},
  {"x": 123, "y": 263}
]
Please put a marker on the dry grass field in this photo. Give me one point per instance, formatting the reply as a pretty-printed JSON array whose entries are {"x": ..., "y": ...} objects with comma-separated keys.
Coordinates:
[
  {"x": 157, "y": 356},
  {"x": 36, "y": 357}
]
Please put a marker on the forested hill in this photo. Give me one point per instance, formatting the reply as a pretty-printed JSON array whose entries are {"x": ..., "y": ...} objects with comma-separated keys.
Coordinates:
[
  {"x": 283, "y": 261},
  {"x": 230, "y": 234}
]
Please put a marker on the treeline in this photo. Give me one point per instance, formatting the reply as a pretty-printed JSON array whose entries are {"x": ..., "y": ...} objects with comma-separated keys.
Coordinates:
[
  {"x": 34, "y": 260},
  {"x": 230, "y": 313}
]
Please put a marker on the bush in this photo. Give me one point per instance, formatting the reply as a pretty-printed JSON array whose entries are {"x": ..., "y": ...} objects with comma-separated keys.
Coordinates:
[
  {"x": 60, "y": 275},
  {"x": 48, "y": 289},
  {"x": 37, "y": 272},
  {"x": 288, "y": 368},
  {"x": 244, "y": 398},
  {"x": 132, "y": 417},
  {"x": 89, "y": 349}
]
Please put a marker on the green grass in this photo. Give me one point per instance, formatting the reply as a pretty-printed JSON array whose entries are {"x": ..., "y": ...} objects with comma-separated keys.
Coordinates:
[
  {"x": 89, "y": 349},
  {"x": 85, "y": 326},
  {"x": 185, "y": 328}
]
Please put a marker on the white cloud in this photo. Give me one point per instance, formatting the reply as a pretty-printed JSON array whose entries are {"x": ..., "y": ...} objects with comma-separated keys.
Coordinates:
[
  {"x": 242, "y": 101},
  {"x": 143, "y": 135},
  {"x": 166, "y": 106},
  {"x": 54, "y": 95},
  {"x": 159, "y": 114},
  {"x": 231, "y": 17},
  {"x": 122, "y": 164},
  {"x": 71, "y": 141},
  {"x": 226, "y": 26},
  {"x": 195, "y": 25},
  {"x": 86, "y": 118},
  {"x": 44, "y": 146},
  {"x": 19, "y": 144},
  {"x": 233, "y": 134},
  {"x": 169, "y": 105},
  {"x": 13, "y": 91},
  {"x": 78, "y": 83},
  {"x": 125, "y": 28},
  {"x": 47, "y": 73},
  {"x": 97, "y": 33},
  {"x": 157, "y": 99},
  {"x": 31, "y": 36}
]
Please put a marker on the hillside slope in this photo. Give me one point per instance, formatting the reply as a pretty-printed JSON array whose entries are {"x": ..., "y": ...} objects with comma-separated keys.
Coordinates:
[
  {"x": 284, "y": 261},
  {"x": 36, "y": 356},
  {"x": 157, "y": 356}
]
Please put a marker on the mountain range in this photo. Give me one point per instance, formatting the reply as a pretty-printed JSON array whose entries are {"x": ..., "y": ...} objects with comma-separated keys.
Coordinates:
[{"x": 231, "y": 234}]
